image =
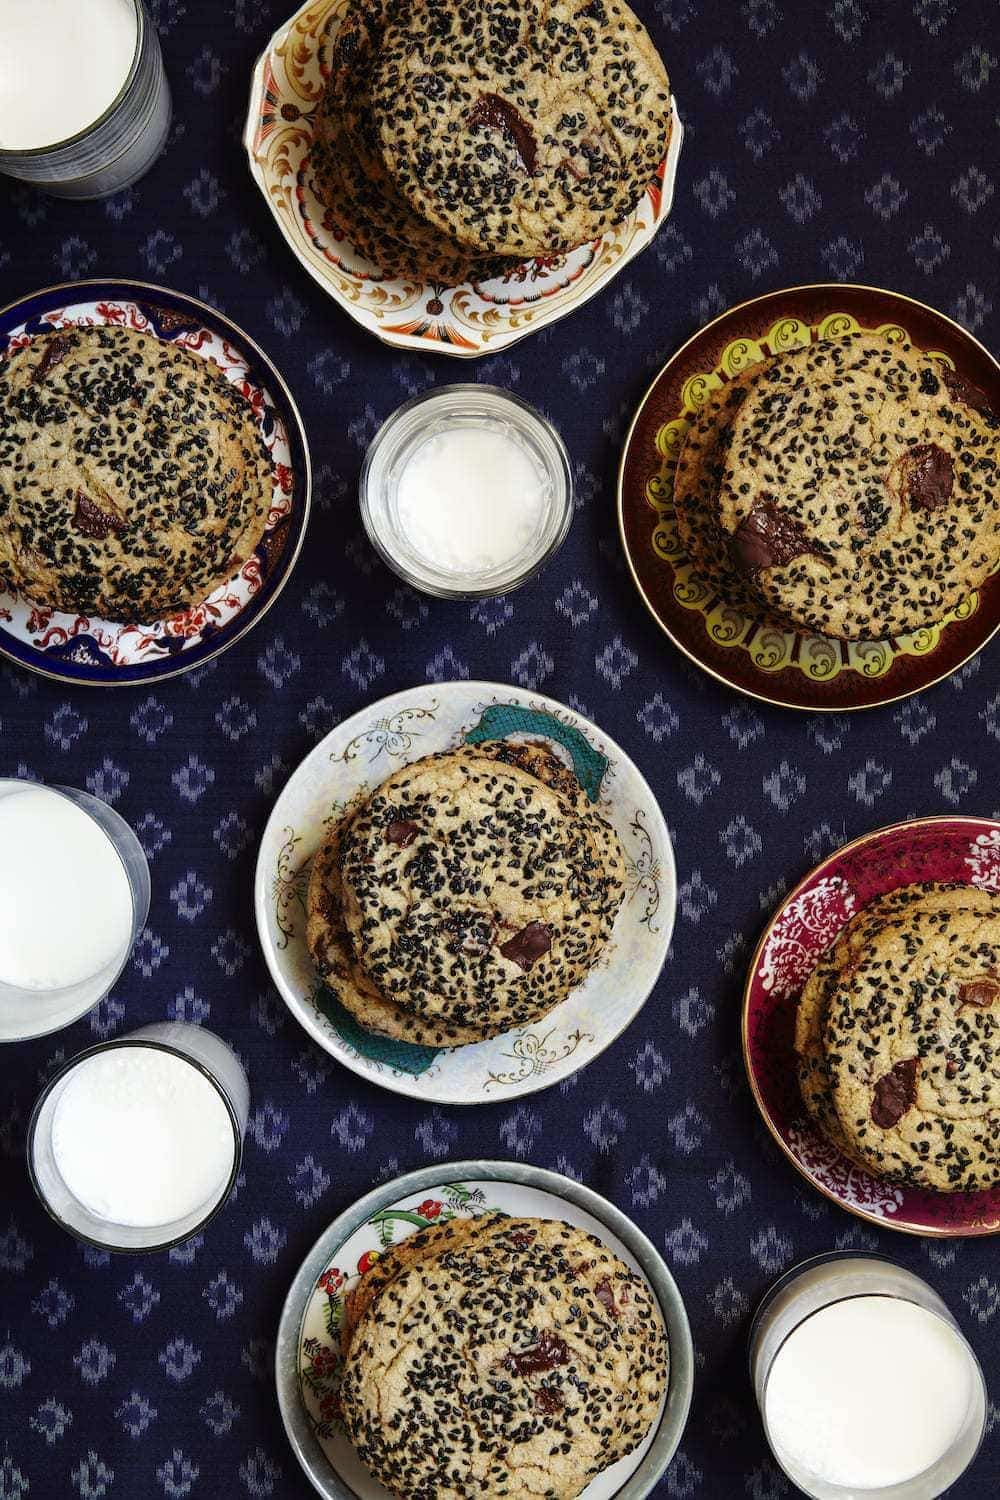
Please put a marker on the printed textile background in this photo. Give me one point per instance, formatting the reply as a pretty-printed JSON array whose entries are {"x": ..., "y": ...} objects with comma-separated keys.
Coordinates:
[{"x": 844, "y": 140}]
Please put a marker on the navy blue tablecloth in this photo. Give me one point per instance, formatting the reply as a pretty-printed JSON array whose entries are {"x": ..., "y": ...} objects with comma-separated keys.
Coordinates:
[{"x": 851, "y": 139}]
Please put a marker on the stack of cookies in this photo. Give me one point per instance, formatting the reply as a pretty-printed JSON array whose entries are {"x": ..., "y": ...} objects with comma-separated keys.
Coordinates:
[
  {"x": 502, "y": 1357},
  {"x": 458, "y": 137},
  {"x": 898, "y": 1038},
  {"x": 850, "y": 488},
  {"x": 469, "y": 894},
  {"x": 133, "y": 475}
]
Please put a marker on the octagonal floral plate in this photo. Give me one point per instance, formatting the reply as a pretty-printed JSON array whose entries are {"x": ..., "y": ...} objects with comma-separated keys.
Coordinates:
[
  {"x": 961, "y": 850},
  {"x": 468, "y": 320},
  {"x": 85, "y": 650},
  {"x": 354, "y": 759},
  {"x": 308, "y": 1359},
  {"x": 786, "y": 667}
]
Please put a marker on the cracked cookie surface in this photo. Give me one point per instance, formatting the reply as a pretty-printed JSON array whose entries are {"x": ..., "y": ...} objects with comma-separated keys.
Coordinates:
[
  {"x": 861, "y": 494},
  {"x": 441, "y": 941},
  {"x": 133, "y": 476},
  {"x": 521, "y": 1360},
  {"x": 520, "y": 129}
]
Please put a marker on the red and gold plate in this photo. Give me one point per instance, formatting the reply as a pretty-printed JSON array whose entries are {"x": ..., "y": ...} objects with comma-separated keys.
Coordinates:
[
  {"x": 786, "y": 667},
  {"x": 946, "y": 849}
]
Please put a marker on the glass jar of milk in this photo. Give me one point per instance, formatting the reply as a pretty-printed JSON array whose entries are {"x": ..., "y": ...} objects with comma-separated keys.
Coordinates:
[
  {"x": 74, "y": 896},
  {"x": 136, "y": 1143},
  {"x": 84, "y": 100},
  {"x": 865, "y": 1383}
]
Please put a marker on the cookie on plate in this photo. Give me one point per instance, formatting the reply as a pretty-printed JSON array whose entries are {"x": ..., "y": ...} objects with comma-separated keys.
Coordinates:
[
  {"x": 348, "y": 169},
  {"x": 862, "y": 488},
  {"x": 911, "y": 1046},
  {"x": 353, "y": 967},
  {"x": 524, "y": 1359},
  {"x": 474, "y": 894},
  {"x": 133, "y": 476},
  {"x": 837, "y": 965},
  {"x": 520, "y": 129}
]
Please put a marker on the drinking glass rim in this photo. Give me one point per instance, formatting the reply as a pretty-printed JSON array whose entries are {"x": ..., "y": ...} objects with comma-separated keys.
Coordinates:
[
  {"x": 160, "y": 1046},
  {"x": 71, "y": 140}
]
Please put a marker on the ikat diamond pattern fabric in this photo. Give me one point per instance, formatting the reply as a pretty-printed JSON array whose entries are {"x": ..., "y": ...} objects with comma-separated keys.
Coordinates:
[{"x": 846, "y": 139}]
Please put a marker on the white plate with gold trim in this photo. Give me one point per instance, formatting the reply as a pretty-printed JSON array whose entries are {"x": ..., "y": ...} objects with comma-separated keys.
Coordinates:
[
  {"x": 355, "y": 758},
  {"x": 469, "y": 320}
]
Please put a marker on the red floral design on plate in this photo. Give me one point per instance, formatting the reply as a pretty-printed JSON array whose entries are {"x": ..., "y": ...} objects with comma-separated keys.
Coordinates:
[
  {"x": 430, "y": 1208},
  {"x": 950, "y": 850},
  {"x": 332, "y": 1280}
]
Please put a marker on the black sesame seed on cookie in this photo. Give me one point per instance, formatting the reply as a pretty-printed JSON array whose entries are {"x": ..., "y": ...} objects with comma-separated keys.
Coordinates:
[
  {"x": 470, "y": 893},
  {"x": 861, "y": 494},
  {"x": 500, "y": 1357},
  {"x": 519, "y": 129},
  {"x": 133, "y": 475}
]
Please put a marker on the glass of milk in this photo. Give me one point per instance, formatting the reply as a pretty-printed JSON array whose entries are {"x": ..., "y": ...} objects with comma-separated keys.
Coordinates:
[
  {"x": 466, "y": 492},
  {"x": 74, "y": 896},
  {"x": 865, "y": 1383},
  {"x": 136, "y": 1144},
  {"x": 84, "y": 101}
]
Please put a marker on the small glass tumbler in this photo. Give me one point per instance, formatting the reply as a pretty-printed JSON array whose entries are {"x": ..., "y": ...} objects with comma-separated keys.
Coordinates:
[
  {"x": 117, "y": 148},
  {"x": 454, "y": 409},
  {"x": 817, "y": 1284},
  {"x": 216, "y": 1062},
  {"x": 27, "y": 1013}
]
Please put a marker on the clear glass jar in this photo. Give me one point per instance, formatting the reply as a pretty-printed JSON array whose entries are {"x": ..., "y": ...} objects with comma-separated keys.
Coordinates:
[
  {"x": 27, "y": 1013},
  {"x": 457, "y": 408},
  {"x": 817, "y": 1284},
  {"x": 120, "y": 146},
  {"x": 199, "y": 1048}
]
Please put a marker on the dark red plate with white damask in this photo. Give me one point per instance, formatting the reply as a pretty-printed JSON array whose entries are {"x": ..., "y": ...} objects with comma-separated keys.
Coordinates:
[
  {"x": 965, "y": 850},
  {"x": 783, "y": 666}
]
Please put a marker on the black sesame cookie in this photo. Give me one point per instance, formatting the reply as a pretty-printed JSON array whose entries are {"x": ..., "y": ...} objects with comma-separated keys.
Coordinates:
[
  {"x": 862, "y": 488},
  {"x": 522, "y": 1362},
  {"x": 133, "y": 476},
  {"x": 697, "y": 477},
  {"x": 475, "y": 895},
  {"x": 838, "y": 964},
  {"x": 912, "y": 1049},
  {"x": 520, "y": 129},
  {"x": 349, "y": 174},
  {"x": 333, "y": 947}
]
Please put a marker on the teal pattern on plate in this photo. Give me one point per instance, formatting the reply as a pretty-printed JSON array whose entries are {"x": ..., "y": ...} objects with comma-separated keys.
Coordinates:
[{"x": 502, "y": 720}]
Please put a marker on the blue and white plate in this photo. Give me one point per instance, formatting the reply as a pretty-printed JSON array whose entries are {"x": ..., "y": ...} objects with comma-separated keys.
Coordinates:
[
  {"x": 350, "y": 763},
  {"x": 107, "y": 653}
]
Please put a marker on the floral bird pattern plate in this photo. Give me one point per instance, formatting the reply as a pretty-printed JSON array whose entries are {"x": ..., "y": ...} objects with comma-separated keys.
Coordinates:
[
  {"x": 787, "y": 667},
  {"x": 960, "y": 850},
  {"x": 354, "y": 759},
  {"x": 309, "y": 1358},
  {"x": 85, "y": 650},
  {"x": 466, "y": 321}
]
